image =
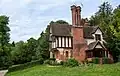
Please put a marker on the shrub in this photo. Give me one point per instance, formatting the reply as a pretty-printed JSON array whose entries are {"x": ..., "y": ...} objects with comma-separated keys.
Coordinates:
[
  {"x": 47, "y": 62},
  {"x": 96, "y": 60},
  {"x": 26, "y": 65},
  {"x": 62, "y": 63},
  {"x": 105, "y": 60},
  {"x": 51, "y": 62},
  {"x": 71, "y": 63},
  {"x": 52, "y": 59}
]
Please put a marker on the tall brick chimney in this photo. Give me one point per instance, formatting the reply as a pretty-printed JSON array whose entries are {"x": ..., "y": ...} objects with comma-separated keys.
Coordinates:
[
  {"x": 77, "y": 32},
  {"x": 76, "y": 15},
  {"x": 74, "y": 18}
]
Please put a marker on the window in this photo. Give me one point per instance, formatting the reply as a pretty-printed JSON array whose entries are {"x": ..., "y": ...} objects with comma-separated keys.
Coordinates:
[
  {"x": 89, "y": 54},
  {"x": 98, "y": 37},
  {"x": 66, "y": 54}
]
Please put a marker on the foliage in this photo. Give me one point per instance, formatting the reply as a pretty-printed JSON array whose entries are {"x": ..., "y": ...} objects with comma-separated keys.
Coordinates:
[
  {"x": 26, "y": 65},
  {"x": 4, "y": 31},
  {"x": 59, "y": 22},
  {"x": 106, "y": 60},
  {"x": 52, "y": 62},
  {"x": 42, "y": 49},
  {"x": 52, "y": 59},
  {"x": 20, "y": 54},
  {"x": 71, "y": 62},
  {"x": 24, "y": 52},
  {"x": 96, "y": 60},
  {"x": 5, "y": 57}
]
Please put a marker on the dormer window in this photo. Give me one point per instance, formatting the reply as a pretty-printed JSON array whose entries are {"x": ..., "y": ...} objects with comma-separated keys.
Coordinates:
[{"x": 98, "y": 37}]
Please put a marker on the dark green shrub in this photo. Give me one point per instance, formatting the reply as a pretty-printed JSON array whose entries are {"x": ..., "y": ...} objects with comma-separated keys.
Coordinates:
[
  {"x": 62, "y": 62},
  {"x": 96, "y": 60},
  {"x": 52, "y": 59},
  {"x": 71, "y": 63},
  {"x": 47, "y": 62},
  {"x": 26, "y": 65},
  {"x": 105, "y": 60},
  {"x": 51, "y": 62}
]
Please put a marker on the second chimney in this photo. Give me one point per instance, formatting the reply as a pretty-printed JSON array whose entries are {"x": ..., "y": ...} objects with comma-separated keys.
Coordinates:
[{"x": 76, "y": 15}]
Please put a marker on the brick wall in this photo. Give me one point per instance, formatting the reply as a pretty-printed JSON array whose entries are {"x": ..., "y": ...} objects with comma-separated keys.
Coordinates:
[{"x": 79, "y": 44}]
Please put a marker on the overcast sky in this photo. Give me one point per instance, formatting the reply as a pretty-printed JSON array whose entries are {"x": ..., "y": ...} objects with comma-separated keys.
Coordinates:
[{"x": 29, "y": 17}]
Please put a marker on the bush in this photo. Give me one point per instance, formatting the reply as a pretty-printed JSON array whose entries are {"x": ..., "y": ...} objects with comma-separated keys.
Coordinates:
[
  {"x": 52, "y": 59},
  {"x": 71, "y": 63},
  {"x": 105, "y": 60},
  {"x": 51, "y": 62},
  {"x": 47, "y": 62},
  {"x": 62, "y": 63},
  {"x": 96, "y": 60},
  {"x": 26, "y": 65}
]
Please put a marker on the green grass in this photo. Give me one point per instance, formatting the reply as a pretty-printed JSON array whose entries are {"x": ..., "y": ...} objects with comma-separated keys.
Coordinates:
[{"x": 95, "y": 70}]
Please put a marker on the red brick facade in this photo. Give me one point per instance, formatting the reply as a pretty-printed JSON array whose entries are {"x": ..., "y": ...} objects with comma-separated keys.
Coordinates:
[{"x": 79, "y": 44}]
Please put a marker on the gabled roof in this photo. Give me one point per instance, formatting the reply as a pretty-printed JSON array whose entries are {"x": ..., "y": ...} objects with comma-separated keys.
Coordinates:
[
  {"x": 61, "y": 29},
  {"x": 65, "y": 30},
  {"x": 92, "y": 45},
  {"x": 88, "y": 31}
]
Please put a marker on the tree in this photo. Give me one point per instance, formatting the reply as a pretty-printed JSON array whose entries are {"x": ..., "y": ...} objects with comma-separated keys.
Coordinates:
[
  {"x": 43, "y": 45},
  {"x": 4, "y": 42},
  {"x": 24, "y": 52},
  {"x": 20, "y": 53},
  {"x": 13, "y": 44},
  {"x": 4, "y": 31},
  {"x": 114, "y": 43},
  {"x": 102, "y": 18},
  {"x": 59, "y": 22},
  {"x": 31, "y": 48}
]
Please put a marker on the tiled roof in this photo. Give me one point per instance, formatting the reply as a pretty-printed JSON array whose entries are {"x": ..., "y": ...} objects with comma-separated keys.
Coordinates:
[
  {"x": 61, "y": 29},
  {"x": 65, "y": 30},
  {"x": 92, "y": 45},
  {"x": 88, "y": 30}
]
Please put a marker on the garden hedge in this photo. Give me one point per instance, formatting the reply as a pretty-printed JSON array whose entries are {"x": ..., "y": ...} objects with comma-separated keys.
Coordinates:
[{"x": 26, "y": 65}]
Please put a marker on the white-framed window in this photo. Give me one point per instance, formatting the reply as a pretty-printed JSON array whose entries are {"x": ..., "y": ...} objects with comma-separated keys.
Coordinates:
[{"x": 98, "y": 37}]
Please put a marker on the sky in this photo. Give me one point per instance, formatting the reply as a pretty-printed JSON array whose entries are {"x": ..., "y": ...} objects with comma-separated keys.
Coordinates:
[{"x": 28, "y": 18}]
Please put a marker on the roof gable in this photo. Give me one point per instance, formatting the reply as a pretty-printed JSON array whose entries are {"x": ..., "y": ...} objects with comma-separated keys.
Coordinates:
[
  {"x": 88, "y": 30},
  {"x": 97, "y": 30},
  {"x": 96, "y": 44}
]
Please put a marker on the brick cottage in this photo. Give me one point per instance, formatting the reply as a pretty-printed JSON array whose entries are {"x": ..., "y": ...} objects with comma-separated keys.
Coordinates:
[{"x": 79, "y": 40}]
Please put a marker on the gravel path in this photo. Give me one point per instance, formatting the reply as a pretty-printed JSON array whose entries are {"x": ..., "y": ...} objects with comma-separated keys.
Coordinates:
[{"x": 3, "y": 72}]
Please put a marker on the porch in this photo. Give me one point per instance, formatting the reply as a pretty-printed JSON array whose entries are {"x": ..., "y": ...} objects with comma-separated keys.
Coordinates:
[
  {"x": 97, "y": 52},
  {"x": 98, "y": 55}
]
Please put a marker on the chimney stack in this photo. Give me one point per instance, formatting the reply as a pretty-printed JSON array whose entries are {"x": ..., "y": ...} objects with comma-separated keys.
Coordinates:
[
  {"x": 76, "y": 15},
  {"x": 73, "y": 9}
]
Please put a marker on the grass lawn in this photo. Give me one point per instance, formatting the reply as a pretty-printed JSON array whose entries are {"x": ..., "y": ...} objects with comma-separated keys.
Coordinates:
[{"x": 95, "y": 70}]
